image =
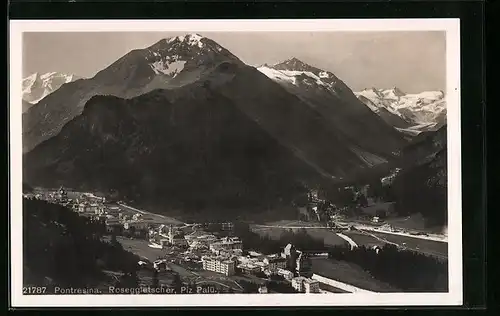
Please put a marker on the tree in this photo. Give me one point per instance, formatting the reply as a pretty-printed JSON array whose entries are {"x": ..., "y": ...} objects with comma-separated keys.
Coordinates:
[
  {"x": 406, "y": 270},
  {"x": 380, "y": 213},
  {"x": 362, "y": 200},
  {"x": 154, "y": 280},
  {"x": 177, "y": 283}
]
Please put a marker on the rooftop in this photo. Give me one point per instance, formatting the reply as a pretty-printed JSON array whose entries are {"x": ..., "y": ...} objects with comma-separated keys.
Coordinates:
[
  {"x": 299, "y": 279},
  {"x": 310, "y": 281}
]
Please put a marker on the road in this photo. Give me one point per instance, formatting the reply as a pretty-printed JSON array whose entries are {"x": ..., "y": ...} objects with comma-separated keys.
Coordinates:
[
  {"x": 370, "y": 238},
  {"x": 429, "y": 247}
]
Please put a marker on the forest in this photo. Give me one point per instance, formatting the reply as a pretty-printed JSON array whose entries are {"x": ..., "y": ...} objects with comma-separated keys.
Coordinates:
[
  {"x": 407, "y": 270},
  {"x": 64, "y": 249}
]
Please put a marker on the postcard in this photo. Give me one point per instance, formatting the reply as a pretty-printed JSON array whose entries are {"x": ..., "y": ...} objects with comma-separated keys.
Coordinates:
[{"x": 235, "y": 163}]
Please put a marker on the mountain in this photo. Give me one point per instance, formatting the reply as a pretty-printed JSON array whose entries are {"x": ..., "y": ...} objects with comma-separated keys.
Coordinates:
[
  {"x": 168, "y": 63},
  {"x": 409, "y": 113},
  {"x": 193, "y": 149},
  {"x": 38, "y": 86},
  {"x": 417, "y": 181},
  {"x": 327, "y": 95},
  {"x": 220, "y": 134},
  {"x": 26, "y": 106},
  {"x": 421, "y": 186}
]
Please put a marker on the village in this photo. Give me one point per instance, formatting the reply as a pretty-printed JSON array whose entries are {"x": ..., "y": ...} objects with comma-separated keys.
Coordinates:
[
  {"x": 212, "y": 254},
  {"x": 199, "y": 252}
]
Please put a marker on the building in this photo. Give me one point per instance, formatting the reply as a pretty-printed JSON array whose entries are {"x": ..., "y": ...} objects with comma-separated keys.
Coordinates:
[
  {"x": 164, "y": 242},
  {"x": 305, "y": 285},
  {"x": 287, "y": 274},
  {"x": 297, "y": 261},
  {"x": 114, "y": 210},
  {"x": 287, "y": 251},
  {"x": 249, "y": 268},
  {"x": 160, "y": 265},
  {"x": 227, "y": 226},
  {"x": 226, "y": 244},
  {"x": 82, "y": 207},
  {"x": 219, "y": 264},
  {"x": 303, "y": 265},
  {"x": 263, "y": 290},
  {"x": 61, "y": 194},
  {"x": 99, "y": 210},
  {"x": 116, "y": 228},
  {"x": 136, "y": 224},
  {"x": 178, "y": 241},
  {"x": 200, "y": 237},
  {"x": 275, "y": 263},
  {"x": 311, "y": 286},
  {"x": 298, "y": 283}
]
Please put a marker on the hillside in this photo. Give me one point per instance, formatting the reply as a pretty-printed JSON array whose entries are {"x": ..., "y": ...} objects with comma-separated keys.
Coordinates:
[
  {"x": 369, "y": 136},
  {"x": 62, "y": 249},
  {"x": 168, "y": 63},
  {"x": 194, "y": 150},
  {"x": 418, "y": 182},
  {"x": 421, "y": 187}
]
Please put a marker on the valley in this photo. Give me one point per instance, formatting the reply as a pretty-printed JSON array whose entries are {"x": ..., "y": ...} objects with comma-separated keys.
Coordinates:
[{"x": 191, "y": 159}]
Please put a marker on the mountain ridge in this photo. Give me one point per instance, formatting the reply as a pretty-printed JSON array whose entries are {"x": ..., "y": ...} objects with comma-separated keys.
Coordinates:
[
  {"x": 335, "y": 101},
  {"x": 186, "y": 124},
  {"x": 129, "y": 76},
  {"x": 191, "y": 151},
  {"x": 424, "y": 111},
  {"x": 37, "y": 86}
]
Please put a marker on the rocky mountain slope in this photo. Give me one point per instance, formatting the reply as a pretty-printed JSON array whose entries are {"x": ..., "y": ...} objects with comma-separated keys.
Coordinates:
[
  {"x": 422, "y": 186},
  {"x": 417, "y": 181},
  {"x": 410, "y": 113},
  {"x": 168, "y": 63},
  {"x": 333, "y": 100},
  {"x": 38, "y": 86},
  {"x": 191, "y": 150},
  {"x": 211, "y": 131}
]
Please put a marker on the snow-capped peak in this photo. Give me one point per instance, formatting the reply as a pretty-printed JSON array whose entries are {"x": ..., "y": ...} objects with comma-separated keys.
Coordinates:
[
  {"x": 425, "y": 110},
  {"x": 193, "y": 39},
  {"x": 172, "y": 55},
  {"x": 48, "y": 75},
  {"x": 397, "y": 92},
  {"x": 36, "y": 86},
  {"x": 297, "y": 72},
  {"x": 32, "y": 77}
]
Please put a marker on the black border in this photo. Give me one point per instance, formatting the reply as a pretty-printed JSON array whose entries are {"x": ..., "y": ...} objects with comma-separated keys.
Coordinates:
[{"x": 471, "y": 14}]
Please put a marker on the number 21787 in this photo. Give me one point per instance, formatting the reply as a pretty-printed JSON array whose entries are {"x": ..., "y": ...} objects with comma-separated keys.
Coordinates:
[{"x": 34, "y": 290}]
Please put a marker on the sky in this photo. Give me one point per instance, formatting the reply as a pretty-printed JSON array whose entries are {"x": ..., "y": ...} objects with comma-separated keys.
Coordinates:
[{"x": 413, "y": 61}]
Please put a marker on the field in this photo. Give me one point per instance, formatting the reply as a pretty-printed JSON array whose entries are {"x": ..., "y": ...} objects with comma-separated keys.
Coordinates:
[
  {"x": 155, "y": 218},
  {"x": 140, "y": 247},
  {"x": 414, "y": 222},
  {"x": 428, "y": 247}
]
